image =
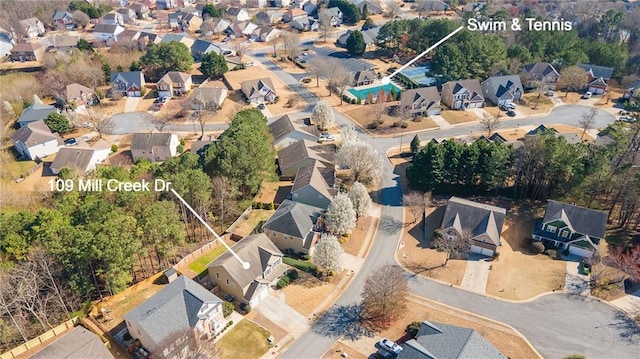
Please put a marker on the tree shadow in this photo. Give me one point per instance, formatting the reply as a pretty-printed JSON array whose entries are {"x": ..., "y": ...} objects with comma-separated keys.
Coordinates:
[
  {"x": 390, "y": 225},
  {"x": 628, "y": 328},
  {"x": 342, "y": 321}
]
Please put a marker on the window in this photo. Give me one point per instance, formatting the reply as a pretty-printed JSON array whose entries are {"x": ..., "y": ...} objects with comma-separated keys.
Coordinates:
[
  {"x": 565, "y": 233},
  {"x": 218, "y": 275},
  {"x": 551, "y": 228}
]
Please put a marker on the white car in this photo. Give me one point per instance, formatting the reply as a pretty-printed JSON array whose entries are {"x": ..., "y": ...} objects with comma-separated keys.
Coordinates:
[
  {"x": 587, "y": 95},
  {"x": 248, "y": 64},
  {"x": 326, "y": 137},
  {"x": 510, "y": 106},
  {"x": 390, "y": 346}
]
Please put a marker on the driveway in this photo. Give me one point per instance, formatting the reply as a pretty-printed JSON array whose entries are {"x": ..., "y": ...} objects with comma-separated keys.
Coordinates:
[
  {"x": 575, "y": 282},
  {"x": 131, "y": 104},
  {"x": 276, "y": 310},
  {"x": 476, "y": 274},
  {"x": 630, "y": 303}
]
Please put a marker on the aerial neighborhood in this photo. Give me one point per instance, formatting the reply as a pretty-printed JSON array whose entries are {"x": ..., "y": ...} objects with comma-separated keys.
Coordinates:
[{"x": 319, "y": 179}]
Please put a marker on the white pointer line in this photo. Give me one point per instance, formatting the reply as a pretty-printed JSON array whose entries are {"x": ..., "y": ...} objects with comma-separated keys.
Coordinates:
[
  {"x": 245, "y": 265},
  {"x": 388, "y": 78}
]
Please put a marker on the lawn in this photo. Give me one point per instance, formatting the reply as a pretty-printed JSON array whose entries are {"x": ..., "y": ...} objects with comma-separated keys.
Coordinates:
[
  {"x": 363, "y": 115},
  {"x": 200, "y": 265},
  {"x": 532, "y": 104},
  {"x": 456, "y": 117},
  {"x": 306, "y": 293},
  {"x": 246, "y": 226},
  {"x": 245, "y": 340}
]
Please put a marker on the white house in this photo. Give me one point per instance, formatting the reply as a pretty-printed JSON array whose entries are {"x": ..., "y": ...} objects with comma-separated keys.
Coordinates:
[
  {"x": 35, "y": 140},
  {"x": 107, "y": 33},
  {"x": 82, "y": 158}
]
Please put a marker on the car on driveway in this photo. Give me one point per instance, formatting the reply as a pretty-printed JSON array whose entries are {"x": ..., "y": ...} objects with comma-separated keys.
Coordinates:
[
  {"x": 70, "y": 141},
  {"x": 627, "y": 119},
  {"x": 326, "y": 137},
  {"x": 390, "y": 346},
  {"x": 226, "y": 52},
  {"x": 229, "y": 298},
  {"x": 511, "y": 113},
  {"x": 262, "y": 106},
  {"x": 587, "y": 95}
]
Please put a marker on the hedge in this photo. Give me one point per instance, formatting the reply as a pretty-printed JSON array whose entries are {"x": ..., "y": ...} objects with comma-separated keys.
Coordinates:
[{"x": 302, "y": 265}]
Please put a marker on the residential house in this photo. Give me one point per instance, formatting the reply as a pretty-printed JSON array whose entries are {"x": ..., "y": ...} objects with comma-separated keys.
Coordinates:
[
  {"x": 294, "y": 227},
  {"x": 569, "y": 137},
  {"x": 293, "y": 14},
  {"x": 632, "y": 93},
  {"x": 439, "y": 340},
  {"x": 259, "y": 90},
  {"x": 128, "y": 15},
  {"x": 174, "y": 83},
  {"x": 203, "y": 47},
  {"x": 35, "y": 112},
  {"x": 248, "y": 286},
  {"x": 182, "y": 38},
  {"x": 141, "y": 10},
  {"x": 63, "y": 20},
  {"x": 502, "y": 90},
  {"x": 217, "y": 25},
  {"x": 302, "y": 153},
  {"x": 129, "y": 39},
  {"x": 481, "y": 223},
  {"x": 7, "y": 41},
  {"x": 462, "y": 94},
  {"x": 369, "y": 36},
  {"x": 107, "y": 33},
  {"x": 540, "y": 73},
  {"x": 26, "y": 52},
  {"x": 310, "y": 8},
  {"x": 314, "y": 185},
  {"x": 332, "y": 14},
  {"x": 214, "y": 96},
  {"x": 373, "y": 6},
  {"x": 243, "y": 28},
  {"x": 151, "y": 4},
  {"x": 182, "y": 306},
  {"x": 80, "y": 96},
  {"x": 363, "y": 78},
  {"x": 174, "y": 19},
  {"x": 35, "y": 140},
  {"x": 569, "y": 227},
  {"x": 235, "y": 13},
  {"x": 599, "y": 76},
  {"x": 165, "y": 4},
  {"x": 81, "y": 159},
  {"x": 75, "y": 343},
  {"x": 129, "y": 83},
  {"x": 279, "y": 3},
  {"x": 540, "y": 130},
  {"x": 299, "y": 3},
  {"x": 112, "y": 18},
  {"x": 64, "y": 42},
  {"x": 266, "y": 33},
  {"x": 269, "y": 17},
  {"x": 285, "y": 133},
  {"x": 147, "y": 38},
  {"x": 191, "y": 22},
  {"x": 154, "y": 147},
  {"x": 32, "y": 27},
  {"x": 421, "y": 101},
  {"x": 256, "y": 4},
  {"x": 306, "y": 23}
]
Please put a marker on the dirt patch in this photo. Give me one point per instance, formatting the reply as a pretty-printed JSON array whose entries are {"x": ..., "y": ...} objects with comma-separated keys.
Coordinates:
[
  {"x": 457, "y": 117},
  {"x": 532, "y": 104},
  {"x": 320, "y": 88},
  {"x": 307, "y": 292},
  {"x": 357, "y": 239},
  {"x": 341, "y": 347},
  {"x": 363, "y": 115},
  {"x": 571, "y": 129},
  {"x": 271, "y": 192}
]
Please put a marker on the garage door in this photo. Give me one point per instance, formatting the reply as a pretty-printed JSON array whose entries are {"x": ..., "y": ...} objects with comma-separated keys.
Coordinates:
[
  {"x": 483, "y": 251},
  {"x": 580, "y": 251}
]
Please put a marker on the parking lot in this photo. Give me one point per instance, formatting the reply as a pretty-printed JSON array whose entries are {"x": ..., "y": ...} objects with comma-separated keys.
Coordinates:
[{"x": 330, "y": 52}]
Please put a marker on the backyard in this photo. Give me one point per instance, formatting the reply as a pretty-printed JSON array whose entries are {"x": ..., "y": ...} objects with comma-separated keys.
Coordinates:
[
  {"x": 256, "y": 216},
  {"x": 245, "y": 340},
  {"x": 364, "y": 114},
  {"x": 199, "y": 266}
]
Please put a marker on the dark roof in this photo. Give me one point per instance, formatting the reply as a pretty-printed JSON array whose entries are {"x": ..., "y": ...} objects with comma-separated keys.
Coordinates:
[
  {"x": 470, "y": 85},
  {"x": 421, "y": 95},
  {"x": 540, "y": 129},
  {"x": 300, "y": 151},
  {"x": 105, "y": 28},
  {"x": 444, "y": 341},
  {"x": 147, "y": 141},
  {"x": 596, "y": 71},
  {"x": 73, "y": 158},
  {"x": 582, "y": 220},
  {"x": 205, "y": 46},
  {"x": 281, "y": 127},
  {"x": 497, "y": 137},
  {"x": 232, "y": 10},
  {"x": 314, "y": 176},
  {"x": 501, "y": 85},
  {"x": 293, "y": 218},
  {"x": 174, "y": 308},
  {"x": 78, "y": 343},
  {"x": 543, "y": 68},
  {"x": 474, "y": 217},
  {"x": 35, "y": 133},
  {"x": 35, "y": 112},
  {"x": 135, "y": 78}
]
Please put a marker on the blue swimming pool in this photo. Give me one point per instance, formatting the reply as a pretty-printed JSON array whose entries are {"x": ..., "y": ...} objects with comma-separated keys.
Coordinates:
[{"x": 362, "y": 93}]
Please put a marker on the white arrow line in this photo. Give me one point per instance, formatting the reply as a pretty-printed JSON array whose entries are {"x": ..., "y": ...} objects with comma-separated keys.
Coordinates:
[
  {"x": 245, "y": 265},
  {"x": 387, "y": 79}
]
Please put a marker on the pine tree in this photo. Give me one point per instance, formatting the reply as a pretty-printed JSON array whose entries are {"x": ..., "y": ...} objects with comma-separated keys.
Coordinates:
[{"x": 415, "y": 144}]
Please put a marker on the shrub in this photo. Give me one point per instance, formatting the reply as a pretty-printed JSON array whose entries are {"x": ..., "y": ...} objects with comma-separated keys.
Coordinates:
[
  {"x": 359, "y": 101},
  {"x": 536, "y": 247},
  {"x": 281, "y": 283},
  {"x": 301, "y": 265},
  {"x": 180, "y": 148},
  {"x": 496, "y": 255},
  {"x": 247, "y": 308},
  {"x": 566, "y": 252},
  {"x": 114, "y": 148},
  {"x": 227, "y": 309},
  {"x": 230, "y": 323},
  {"x": 293, "y": 274},
  {"x": 552, "y": 253},
  {"x": 353, "y": 101},
  {"x": 257, "y": 205},
  {"x": 305, "y": 257},
  {"x": 373, "y": 125},
  {"x": 396, "y": 124},
  {"x": 332, "y": 273},
  {"x": 270, "y": 206},
  {"x": 404, "y": 124},
  {"x": 417, "y": 119},
  {"x": 413, "y": 328},
  {"x": 183, "y": 141}
]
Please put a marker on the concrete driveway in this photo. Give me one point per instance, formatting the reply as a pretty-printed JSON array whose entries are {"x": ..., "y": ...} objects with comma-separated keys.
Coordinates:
[
  {"x": 576, "y": 282},
  {"x": 131, "y": 104},
  {"x": 476, "y": 274},
  {"x": 630, "y": 303},
  {"x": 274, "y": 308}
]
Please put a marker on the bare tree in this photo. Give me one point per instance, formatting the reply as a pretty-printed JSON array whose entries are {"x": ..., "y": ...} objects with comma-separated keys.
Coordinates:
[
  {"x": 291, "y": 41},
  {"x": 8, "y": 303},
  {"x": 416, "y": 203},
  {"x": 538, "y": 86},
  {"x": 224, "y": 196},
  {"x": 384, "y": 296},
  {"x": 489, "y": 123},
  {"x": 573, "y": 78},
  {"x": 457, "y": 246},
  {"x": 241, "y": 49},
  {"x": 274, "y": 42},
  {"x": 318, "y": 68},
  {"x": 628, "y": 261},
  {"x": 185, "y": 344},
  {"x": 341, "y": 80},
  {"x": 379, "y": 107},
  {"x": 202, "y": 104},
  {"x": 393, "y": 9},
  {"x": 586, "y": 121},
  {"x": 102, "y": 123},
  {"x": 325, "y": 24},
  {"x": 160, "y": 121}
]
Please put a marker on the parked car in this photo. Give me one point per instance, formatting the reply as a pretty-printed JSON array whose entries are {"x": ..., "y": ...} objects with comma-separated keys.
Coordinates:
[
  {"x": 587, "y": 95},
  {"x": 510, "y": 106},
  {"x": 248, "y": 64},
  {"x": 390, "y": 346},
  {"x": 164, "y": 99},
  {"x": 627, "y": 119},
  {"x": 226, "y": 52},
  {"x": 326, "y": 137},
  {"x": 549, "y": 93},
  {"x": 229, "y": 298},
  {"x": 511, "y": 113},
  {"x": 70, "y": 141},
  {"x": 262, "y": 106}
]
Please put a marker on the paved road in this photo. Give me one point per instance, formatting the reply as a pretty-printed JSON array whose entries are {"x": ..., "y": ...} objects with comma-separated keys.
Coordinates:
[{"x": 132, "y": 122}]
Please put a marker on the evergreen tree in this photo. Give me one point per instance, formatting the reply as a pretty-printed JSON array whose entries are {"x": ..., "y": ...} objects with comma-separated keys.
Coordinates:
[
  {"x": 415, "y": 144},
  {"x": 58, "y": 123},
  {"x": 213, "y": 65},
  {"x": 164, "y": 57},
  {"x": 355, "y": 43},
  {"x": 211, "y": 10}
]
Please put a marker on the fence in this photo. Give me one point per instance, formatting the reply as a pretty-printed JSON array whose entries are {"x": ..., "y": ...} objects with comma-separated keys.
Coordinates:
[
  {"x": 199, "y": 252},
  {"x": 35, "y": 342},
  {"x": 240, "y": 218},
  {"x": 29, "y": 171}
]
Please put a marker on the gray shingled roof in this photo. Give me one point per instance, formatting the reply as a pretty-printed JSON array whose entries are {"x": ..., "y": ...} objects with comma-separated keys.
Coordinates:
[
  {"x": 281, "y": 127},
  {"x": 444, "y": 341},
  {"x": 205, "y": 47},
  {"x": 147, "y": 141},
  {"x": 131, "y": 78},
  {"x": 35, "y": 133},
  {"x": 429, "y": 95},
  {"x": 249, "y": 87},
  {"x": 259, "y": 252},
  {"x": 470, "y": 85},
  {"x": 173, "y": 77},
  {"x": 105, "y": 28},
  {"x": 477, "y": 218},
  {"x": 500, "y": 85},
  {"x": 583, "y": 220},
  {"x": 293, "y": 218},
  {"x": 597, "y": 71},
  {"x": 301, "y": 150},
  {"x": 312, "y": 175},
  {"x": 78, "y": 343},
  {"x": 174, "y": 308},
  {"x": 541, "y": 68},
  {"x": 73, "y": 158},
  {"x": 35, "y": 112}
]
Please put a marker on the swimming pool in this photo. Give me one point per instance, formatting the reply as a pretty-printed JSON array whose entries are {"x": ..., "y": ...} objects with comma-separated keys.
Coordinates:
[{"x": 362, "y": 93}]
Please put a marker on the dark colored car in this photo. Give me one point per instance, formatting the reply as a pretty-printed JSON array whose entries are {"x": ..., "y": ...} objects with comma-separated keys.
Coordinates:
[
  {"x": 70, "y": 141},
  {"x": 511, "y": 113}
]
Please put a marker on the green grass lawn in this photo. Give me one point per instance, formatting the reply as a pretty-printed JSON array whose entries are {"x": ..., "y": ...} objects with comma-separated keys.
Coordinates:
[
  {"x": 245, "y": 340},
  {"x": 200, "y": 265}
]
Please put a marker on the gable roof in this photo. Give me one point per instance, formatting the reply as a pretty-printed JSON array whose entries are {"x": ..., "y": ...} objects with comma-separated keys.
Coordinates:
[
  {"x": 439, "y": 340},
  {"x": 59, "y": 15},
  {"x": 498, "y": 86},
  {"x": 295, "y": 12},
  {"x": 470, "y": 85},
  {"x": 314, "y": 176},
  {"x": 147, "y": 141},
  {"x": 35, "y": 112},
  {"x": 73, "y": 158},
  {"x": 174, "y": 308},
  {"x": 428, "y": 95},
  {"x": 540, "y": 129},
  {"x": 250, "y": 87},
  {"x": 233, "y": 10},
  {"x": 360, "y": 76},
  {"x": 301, "y": 150},
  {"x": 205, "y": 47},
  {"x": 281, "y": 127},
  {"x": 106, "y": 28},
  {"x": 135, "y": 78},
  {"x": 294, "y": 219},
  {"x": 76, "y": 90},
  {"x": 542, "y": 68},
  {"x": 172, "y": 77},
  {"x": 35, "y": 133},
  {"x": 32, "y": 21},
  {"x": 582, "y": 220},
  {"x": 477, "y": 218},
  {"x": 25, "y": 47},
  {"x": 257, "y": 250},
  {"x": 77, "y": 343},
  {"x": 596, "y": 71}
]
